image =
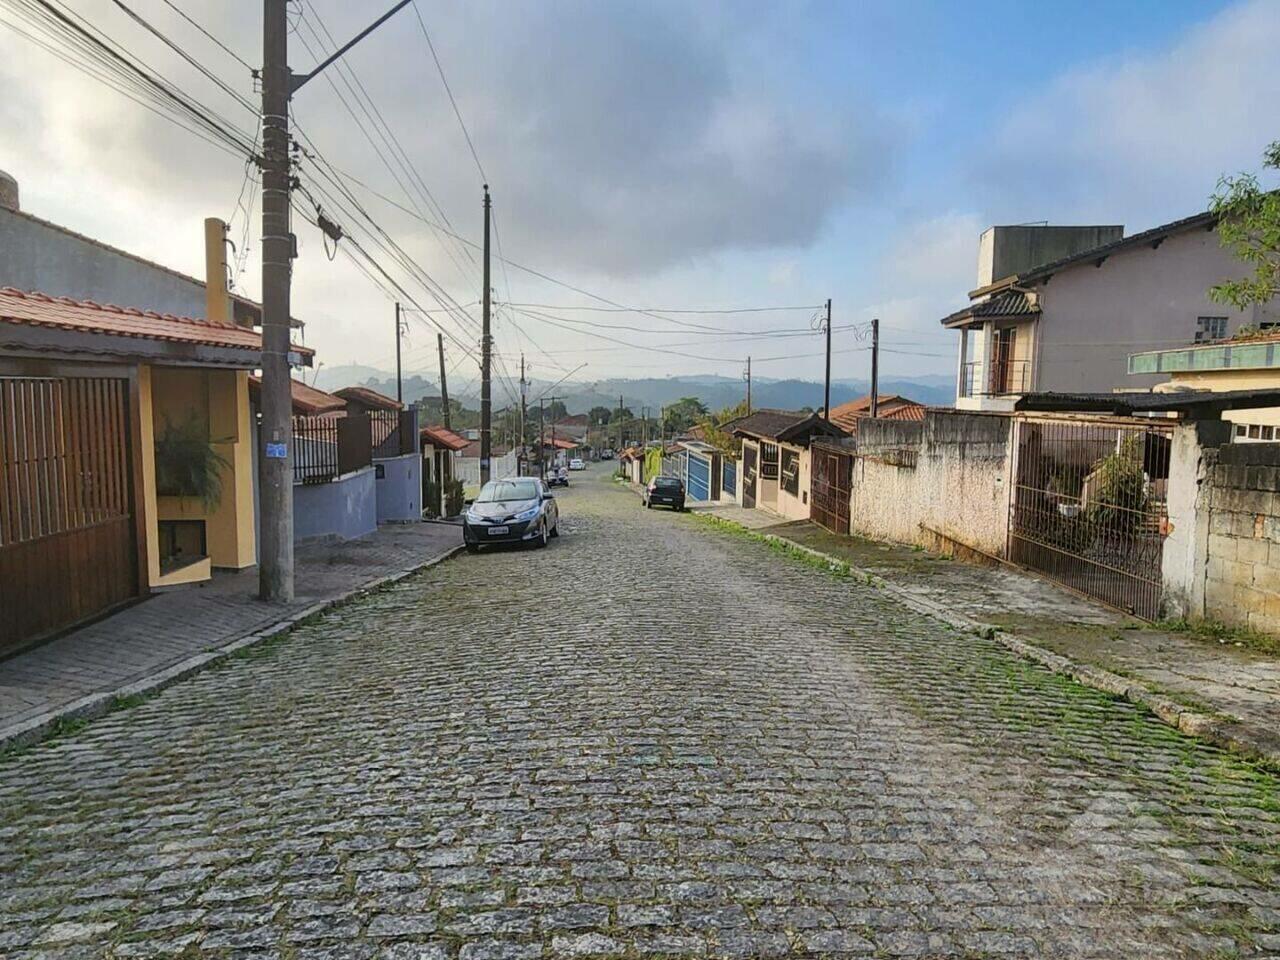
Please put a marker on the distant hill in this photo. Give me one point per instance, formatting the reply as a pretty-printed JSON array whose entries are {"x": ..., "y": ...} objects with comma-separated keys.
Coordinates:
[{"x": 714, "y": 391}]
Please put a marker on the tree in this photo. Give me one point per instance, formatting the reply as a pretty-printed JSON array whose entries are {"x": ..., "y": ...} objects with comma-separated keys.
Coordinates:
[
  {"x": 715, "y": 433},
  {"x": 1249, "y": 223},
  {"x": 556, "y": 411},
  {"x": 599, "y": 416},
  {"x": 683, "y": 414}
]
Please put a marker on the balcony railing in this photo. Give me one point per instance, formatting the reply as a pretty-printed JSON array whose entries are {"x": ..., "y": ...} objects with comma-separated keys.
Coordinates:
[{"x": 999, "y": 378}]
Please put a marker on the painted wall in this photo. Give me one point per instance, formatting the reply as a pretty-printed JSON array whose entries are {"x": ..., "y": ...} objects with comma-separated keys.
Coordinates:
[
  {"x": 399, "y": 490},
  {"x": 948, "y": 473},
  {"x": 36, "y": 256},
  {"x": 345, "y": 508},
  {"x": 797, "y": 507},
  {"x": 1141, "y": 299},
  {"x": 1235, "y": 380}
]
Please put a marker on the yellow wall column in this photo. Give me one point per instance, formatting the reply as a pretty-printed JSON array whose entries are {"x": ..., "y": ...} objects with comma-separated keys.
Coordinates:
[
  {"x": 151, "y": 514},
  {"x": 230, "y": 531}
]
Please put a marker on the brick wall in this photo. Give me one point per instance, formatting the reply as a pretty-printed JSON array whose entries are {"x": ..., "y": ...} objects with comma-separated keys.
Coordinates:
[{"x": 1242, "y": 568}]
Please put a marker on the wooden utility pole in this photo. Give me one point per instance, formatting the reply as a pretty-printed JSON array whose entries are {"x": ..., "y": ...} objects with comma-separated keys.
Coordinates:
[
  {"x": 486, "y": 399},
  {"x": 399, "y": 383},
  {"x": 747, "y": 376},
  {"x": 875, "y": 366},
  {"x": 826, "y": 399},
  {"x": 619, "y": 423},
  {"x": 444, "y": 384},
  {"x": 542, "y": 463},
  {"x": 275, "y": 463}
]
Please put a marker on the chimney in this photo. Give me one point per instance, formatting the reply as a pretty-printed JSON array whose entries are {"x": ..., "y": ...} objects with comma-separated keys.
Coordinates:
[
  {"x": 9, "y": 193},
  {"x": 217, "y": 302}
]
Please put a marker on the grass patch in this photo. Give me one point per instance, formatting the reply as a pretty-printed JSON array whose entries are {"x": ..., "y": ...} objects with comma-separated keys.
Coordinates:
[
  {"x": 1213, "y": 631},
  {"x": 837, "y": 568}
]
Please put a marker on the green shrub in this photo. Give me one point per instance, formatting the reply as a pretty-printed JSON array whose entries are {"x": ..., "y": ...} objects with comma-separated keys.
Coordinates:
[{"x": 453, "y": 497}]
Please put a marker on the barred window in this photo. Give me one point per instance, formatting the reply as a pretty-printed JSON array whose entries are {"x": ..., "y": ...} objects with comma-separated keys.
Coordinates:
[
  {"x": 791, "y": 472},
  {"x": 1210, "y": 328},
  {"x": 769, "y": 461}
]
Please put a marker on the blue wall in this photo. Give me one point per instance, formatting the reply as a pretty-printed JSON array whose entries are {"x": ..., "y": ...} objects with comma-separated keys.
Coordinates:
[
  {"x": 345, "y": 508},
  {"x": 399, "y": 489}
]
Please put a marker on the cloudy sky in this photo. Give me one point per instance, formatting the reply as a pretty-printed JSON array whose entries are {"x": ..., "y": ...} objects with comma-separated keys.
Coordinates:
[{"x": 663, "y": 155}]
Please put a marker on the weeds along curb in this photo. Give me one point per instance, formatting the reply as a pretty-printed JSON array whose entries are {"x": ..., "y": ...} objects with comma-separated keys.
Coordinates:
[
  {"x": 73, "y": 716},
  {"x": 1224, "y": 733}
]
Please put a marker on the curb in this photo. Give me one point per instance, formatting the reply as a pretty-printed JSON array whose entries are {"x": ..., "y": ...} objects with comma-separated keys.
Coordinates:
[
  {"x": 94, "y": 705},
  {"x": 1236, "y": 737}
]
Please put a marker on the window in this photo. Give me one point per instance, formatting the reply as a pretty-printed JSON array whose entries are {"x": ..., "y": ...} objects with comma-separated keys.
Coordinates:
[
  {"x": 791, "y": 471},
  {"x": 1210, "y": 328},
  {"x": 769, "y": 461}
]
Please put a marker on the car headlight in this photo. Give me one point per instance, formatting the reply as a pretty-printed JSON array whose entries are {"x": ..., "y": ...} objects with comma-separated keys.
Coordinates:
[
  {"x": 473, "y": 516},
  {"x": 528, "y": 514}
]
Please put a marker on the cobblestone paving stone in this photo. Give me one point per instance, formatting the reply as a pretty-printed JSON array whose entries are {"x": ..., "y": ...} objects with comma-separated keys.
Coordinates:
[{"x": 652, "y": 739}]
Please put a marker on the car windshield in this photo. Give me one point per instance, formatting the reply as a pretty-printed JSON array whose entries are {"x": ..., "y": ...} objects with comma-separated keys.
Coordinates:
[
  {"x": 670, "y": 483},
  {"x": 500, "y": 491}
]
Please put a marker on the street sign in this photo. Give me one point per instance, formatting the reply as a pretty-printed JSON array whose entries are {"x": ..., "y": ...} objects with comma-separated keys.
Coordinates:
[{"x": 277, "y": 451}]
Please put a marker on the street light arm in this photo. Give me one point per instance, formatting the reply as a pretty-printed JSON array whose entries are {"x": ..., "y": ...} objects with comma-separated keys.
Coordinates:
[{"x": 296, "y": 80}]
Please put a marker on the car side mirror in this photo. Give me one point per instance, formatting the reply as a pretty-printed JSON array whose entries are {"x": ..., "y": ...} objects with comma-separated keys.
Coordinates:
[{"x": 467, "y": 503}]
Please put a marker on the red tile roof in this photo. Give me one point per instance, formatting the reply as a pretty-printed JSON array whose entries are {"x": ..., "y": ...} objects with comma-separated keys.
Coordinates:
[
  {"x": 890, "y": 407},
  {"x": 440, "y": 437},
  {"x": 307, "y": 401},
  {"x": 368, "y": 397},
  {"x": 86, "y": 316}
]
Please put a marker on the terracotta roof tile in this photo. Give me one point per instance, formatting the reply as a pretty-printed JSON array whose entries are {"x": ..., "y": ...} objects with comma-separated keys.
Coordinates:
[
  {"x": 438, "y": 436},
  {"x": 86, "y": 316},
  {"x": 307, "y": 400},
  {"x": 370, "y": 398}
]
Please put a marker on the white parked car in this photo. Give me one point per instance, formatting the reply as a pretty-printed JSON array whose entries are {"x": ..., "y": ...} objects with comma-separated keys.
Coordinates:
[{"x": 577, "y": 464}]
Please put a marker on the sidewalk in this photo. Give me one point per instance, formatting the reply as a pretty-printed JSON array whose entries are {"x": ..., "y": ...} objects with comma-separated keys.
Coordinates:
[
  {"x": 1217, "y": 687},
  {"x": 170, "y": 635}
]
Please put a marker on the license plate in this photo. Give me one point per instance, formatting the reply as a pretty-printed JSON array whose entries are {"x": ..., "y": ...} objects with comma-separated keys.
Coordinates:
[{"x": 494, "y": 531}]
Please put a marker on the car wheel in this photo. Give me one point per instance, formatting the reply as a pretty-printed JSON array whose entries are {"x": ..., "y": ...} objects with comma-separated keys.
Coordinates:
[
  {"x": 555, "y": 531},
  {"x": 648, "y": 505},
  {"x": 543, "y": 536}
]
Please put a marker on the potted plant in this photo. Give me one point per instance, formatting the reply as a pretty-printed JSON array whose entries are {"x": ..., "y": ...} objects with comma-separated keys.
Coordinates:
[{"x": 186, "y": 463}]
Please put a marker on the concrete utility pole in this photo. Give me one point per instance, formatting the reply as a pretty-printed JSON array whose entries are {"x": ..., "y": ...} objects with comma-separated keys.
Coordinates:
[
  {"x": 875, "y": 366},
  {"x": 619, "y": 423},
  {"x": 826, "y": 399},
  {"x": 279, "y": 247},
  {"x": 747, "y": 377},
  {"x": 399, "y": 383},
  {"x": 486, "y": 399},
  {"x": 542, "y": 464},
  {"x": 275, "y": 465},
  {"x": 444, "y": 384},
  {"x": 524, "y": 384}
]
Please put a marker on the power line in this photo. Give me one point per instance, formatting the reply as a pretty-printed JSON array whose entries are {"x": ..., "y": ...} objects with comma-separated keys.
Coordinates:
[
  {"x": 456, "y": 112},
  {"x": 244, "y": 63}
]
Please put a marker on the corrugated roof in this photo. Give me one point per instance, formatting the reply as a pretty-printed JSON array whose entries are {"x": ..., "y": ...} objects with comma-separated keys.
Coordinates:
[
  {"x": 1131, "y": 402},
  {"x": 86, "y": 316},
  {"x": 370, "y": 398}
]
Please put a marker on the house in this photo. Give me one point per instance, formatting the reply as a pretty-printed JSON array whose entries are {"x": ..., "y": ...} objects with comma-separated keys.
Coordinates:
[
  {"x": 847, "y": 416},
  {"x": 127, "y": 456},
  {"x": 503, "y": 462},
  {"x": 775, "y": 459},
  {"x": 1059, "y": 309},
  {"x": 307, "y": 401},
  {"x": 439, "y": 446},
  {"x": 1247, "y": 361},
  {"x": 366, "y": 400}
]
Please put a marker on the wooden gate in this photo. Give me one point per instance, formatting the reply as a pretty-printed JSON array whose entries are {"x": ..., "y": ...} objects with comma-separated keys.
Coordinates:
[
  {"x": 67, "y": 547},
  {"x": 830, "y": 487},
  {"x": 749, "y": 455},
  {"x": 1088, "y": 506}
]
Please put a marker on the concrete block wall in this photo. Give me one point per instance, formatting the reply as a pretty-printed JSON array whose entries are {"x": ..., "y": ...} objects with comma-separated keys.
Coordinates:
[
  {"x": 947, "y": 475},
  {"x": 1242, "y": 545}
]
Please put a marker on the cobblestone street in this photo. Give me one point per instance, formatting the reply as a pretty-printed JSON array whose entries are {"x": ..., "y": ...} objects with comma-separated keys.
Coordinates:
[{"x": 653, "y": 738}]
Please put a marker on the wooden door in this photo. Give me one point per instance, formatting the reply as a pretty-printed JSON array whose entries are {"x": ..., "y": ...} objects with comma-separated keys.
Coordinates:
[
  {"x": 67, "y": 537},
  {"x": 749, "y": 469}
]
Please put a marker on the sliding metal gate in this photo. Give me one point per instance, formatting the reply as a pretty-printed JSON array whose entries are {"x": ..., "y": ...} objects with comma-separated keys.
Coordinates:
[
  {"x": 1088, "y": 507},
  {"x": 67, "y": 547}
]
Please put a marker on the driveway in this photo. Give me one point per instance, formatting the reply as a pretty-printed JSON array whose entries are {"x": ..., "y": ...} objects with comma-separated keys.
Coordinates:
[{"x": 650, "y": 739}]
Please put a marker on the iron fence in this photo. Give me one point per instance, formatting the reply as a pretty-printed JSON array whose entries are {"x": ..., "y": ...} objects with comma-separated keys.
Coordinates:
[
  {"x": 325, "y": 448},
  {"x": 1088, "y": 507}
]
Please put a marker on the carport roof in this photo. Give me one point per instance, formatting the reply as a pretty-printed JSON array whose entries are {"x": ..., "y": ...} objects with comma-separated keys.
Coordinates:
[{"x": 1194, "y": 404}]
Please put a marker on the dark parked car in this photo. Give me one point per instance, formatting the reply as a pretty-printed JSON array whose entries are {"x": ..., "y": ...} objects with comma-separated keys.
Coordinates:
[
  {"x": 668, "y": 490},
  {"x": 517, "y": 510}
]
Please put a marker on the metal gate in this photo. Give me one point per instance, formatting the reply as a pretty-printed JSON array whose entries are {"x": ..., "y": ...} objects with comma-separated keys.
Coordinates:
[
  {"x": 729, "y": 477},
  {"x": 67, "y": 547},
  {"x": 831, "y": 486},
  {"x": 698, "y": 483},
  {"x": 1088, "y": 507},
  {"x": 749, "y": 455}
]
